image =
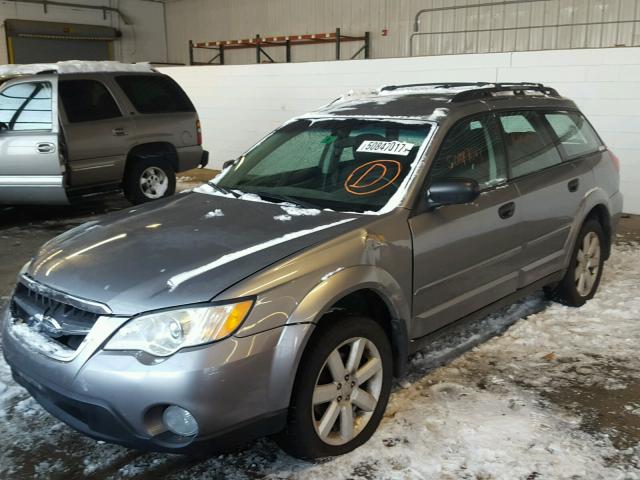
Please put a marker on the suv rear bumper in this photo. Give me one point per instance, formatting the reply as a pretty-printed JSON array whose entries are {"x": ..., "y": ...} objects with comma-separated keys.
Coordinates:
[{"x": 191, "y": 157}]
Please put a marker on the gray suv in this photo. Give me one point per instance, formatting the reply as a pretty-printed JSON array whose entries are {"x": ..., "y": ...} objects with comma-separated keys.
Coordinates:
[
  {"x": 282, "y": 298},
  {"x": 64, "y": 135}
]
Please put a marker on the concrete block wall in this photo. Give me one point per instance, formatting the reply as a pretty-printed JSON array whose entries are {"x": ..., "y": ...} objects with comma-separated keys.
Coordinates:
[{"x": 239, "y": 104}]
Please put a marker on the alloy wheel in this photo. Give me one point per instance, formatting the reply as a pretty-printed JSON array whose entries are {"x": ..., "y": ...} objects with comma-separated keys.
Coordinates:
[
  {"x": 347, "y": 391},
  {"x": 154, "y": 182},
  {"x": 587, "y": 264}
]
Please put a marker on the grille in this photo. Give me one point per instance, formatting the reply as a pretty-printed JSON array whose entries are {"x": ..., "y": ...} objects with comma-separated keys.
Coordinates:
[{"x": 64, "y": 323}]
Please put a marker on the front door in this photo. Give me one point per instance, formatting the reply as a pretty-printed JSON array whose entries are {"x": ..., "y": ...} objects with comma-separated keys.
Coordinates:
[
  {"x": 464, "y": 255},
  {"x": 31, "y": 167}
]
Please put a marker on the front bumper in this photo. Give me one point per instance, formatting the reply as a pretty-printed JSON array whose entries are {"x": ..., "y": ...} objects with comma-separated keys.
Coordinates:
[{"x": 237, "y": 389}]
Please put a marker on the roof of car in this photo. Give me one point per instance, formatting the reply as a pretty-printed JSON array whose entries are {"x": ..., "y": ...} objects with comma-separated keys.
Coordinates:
[
  {"x": 72, "y": 66},
  {"x": 434, "y": 101}
]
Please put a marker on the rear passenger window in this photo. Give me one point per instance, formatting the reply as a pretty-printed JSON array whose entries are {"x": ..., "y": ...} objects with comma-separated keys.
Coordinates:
[
  {"x": 87, "y": 100},
  {"x": 472, "y": 149},
  {"x": 155, "y": 94},
  {"x": 528, "y": 145},
  {"x": 574, "y": 132}
]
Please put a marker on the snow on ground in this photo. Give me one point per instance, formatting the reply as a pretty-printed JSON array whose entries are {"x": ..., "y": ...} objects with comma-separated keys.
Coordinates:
[{"x": 515, "y": 406}]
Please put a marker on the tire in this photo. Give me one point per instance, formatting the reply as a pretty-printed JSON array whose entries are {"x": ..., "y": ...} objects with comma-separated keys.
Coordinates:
[
  {"x": 305, "y": 436},
  {"x": 147, "y": 178},
  {"x": 572, "y": 290}
]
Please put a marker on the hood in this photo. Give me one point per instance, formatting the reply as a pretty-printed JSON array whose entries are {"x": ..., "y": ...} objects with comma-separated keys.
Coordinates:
[{"x": 183, "y": 250}]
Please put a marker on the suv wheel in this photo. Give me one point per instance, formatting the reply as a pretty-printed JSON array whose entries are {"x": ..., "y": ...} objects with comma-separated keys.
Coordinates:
[
  {"x": 341, "y": 390},
  {"x": 148, "y": 178},
  {"x": 582, "y": 278}
]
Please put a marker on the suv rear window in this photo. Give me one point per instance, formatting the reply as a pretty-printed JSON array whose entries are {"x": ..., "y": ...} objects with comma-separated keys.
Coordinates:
[
  {"x": 154, "y": 94},
  {"x": 87, "y": 100},
  {"x": 574, "y": 132}
]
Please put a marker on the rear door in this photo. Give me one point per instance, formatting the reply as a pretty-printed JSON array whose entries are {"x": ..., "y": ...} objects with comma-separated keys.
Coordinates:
[
  {"x": 31, "y": 167},
  {"x": 550, "y": 190},
  {"x": 98, "y": 134},
  {"x": 464, "y": 255}
]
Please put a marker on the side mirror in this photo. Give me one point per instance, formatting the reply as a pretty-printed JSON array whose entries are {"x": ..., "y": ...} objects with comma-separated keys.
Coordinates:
[
  {"x": 452, "y": 192},
  {"x": 229, "y": 163}
]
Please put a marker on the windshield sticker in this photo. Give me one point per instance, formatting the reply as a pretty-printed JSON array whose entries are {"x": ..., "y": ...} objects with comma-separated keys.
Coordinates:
[
  {"x": 373, "y": 176},
  {"x": 391, "y": 148}
]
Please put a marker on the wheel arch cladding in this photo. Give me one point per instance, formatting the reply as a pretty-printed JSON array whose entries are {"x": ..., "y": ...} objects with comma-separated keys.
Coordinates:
[
  {"x": 601, "y": 213},
  {"x": 370, "y": 303},
  {"x": 166, "y": 149}
]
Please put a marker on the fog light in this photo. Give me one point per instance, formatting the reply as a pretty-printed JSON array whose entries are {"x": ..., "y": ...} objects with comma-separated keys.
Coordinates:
[{"x": 180, "y": 421}]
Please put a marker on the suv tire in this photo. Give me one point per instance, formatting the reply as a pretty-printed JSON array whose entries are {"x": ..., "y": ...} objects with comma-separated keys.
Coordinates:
[
  {"x": 341, "y": 389},
  {"x": 582, "y": 278},
  {"x": 149, "y": 177}
]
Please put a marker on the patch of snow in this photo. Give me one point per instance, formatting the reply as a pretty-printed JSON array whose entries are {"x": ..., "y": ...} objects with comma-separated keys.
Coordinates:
[
  {"x": 28, "y": 336},
  {"x": 438, "y": 113},
  {"x": 74, "y": 66},
  {"x": 282, "y": 218},
  {"x": 209, "y": 190},
  {"x": 180, "y": 278},
  {"x": 215, "y": 213},
  {"x": 296, "y": 211}
]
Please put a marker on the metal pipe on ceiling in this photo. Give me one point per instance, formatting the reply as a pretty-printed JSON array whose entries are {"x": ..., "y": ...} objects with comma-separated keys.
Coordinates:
[{"x": 46, "y": 3}]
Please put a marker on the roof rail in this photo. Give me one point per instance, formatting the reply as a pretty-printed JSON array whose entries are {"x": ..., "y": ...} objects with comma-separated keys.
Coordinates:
[
  {"x": 389, "y": 88},
  {"x": 491, "y": 89}
]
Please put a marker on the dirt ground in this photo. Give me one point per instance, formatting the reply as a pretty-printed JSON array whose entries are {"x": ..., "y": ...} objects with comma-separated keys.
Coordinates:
[{"x": 606, "y": 410}]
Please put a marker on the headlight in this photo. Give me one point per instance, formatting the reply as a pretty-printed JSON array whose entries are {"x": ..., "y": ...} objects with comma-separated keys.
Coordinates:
[{"x": 164, "y": 333}]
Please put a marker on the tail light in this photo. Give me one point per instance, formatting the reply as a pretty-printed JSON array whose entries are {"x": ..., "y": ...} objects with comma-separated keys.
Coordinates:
[
  {"x": 615, "y": 160},
  {"x": 198, "y": 132}
]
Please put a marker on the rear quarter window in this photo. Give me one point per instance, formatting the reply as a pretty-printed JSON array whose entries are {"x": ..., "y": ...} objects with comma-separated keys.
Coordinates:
[
  {"x": 154, "y": 94},
  {"x": 575, "y": 134}
]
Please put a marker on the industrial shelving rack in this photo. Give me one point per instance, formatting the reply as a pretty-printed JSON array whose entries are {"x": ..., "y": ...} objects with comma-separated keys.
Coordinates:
[{"x": 221, "y": 47}]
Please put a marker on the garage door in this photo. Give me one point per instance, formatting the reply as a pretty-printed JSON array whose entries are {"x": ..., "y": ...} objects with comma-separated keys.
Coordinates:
[{"x": 45, "y": 42}]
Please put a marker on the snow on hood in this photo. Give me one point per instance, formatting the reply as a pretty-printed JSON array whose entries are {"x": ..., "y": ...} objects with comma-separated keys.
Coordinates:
[{"x": 74, "y": 66}]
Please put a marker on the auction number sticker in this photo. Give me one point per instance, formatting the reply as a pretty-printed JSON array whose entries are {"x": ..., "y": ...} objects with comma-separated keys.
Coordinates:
[{"x": 390, "y": 148}]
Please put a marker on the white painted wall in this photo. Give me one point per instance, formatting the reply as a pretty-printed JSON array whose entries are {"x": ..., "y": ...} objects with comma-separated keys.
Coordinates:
[
  {"x": 207, "y": 20},
  {"x": 239, "y": 104},
  {"x": 143, "y": 41}
]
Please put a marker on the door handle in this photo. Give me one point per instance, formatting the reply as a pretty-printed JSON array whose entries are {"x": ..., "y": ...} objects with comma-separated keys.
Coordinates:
[
  {"x": 46, "y": 147},
  {"x": 119, "y": 132},
  {"x": 507, "y": 210},
  {"x": 573, "y": 185}
]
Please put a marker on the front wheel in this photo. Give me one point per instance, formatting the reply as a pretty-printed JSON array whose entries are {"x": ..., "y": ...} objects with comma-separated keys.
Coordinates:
[
  {"x": 582, "y": 278},
  {"x": 341, "y": 390},
  {"x": 149, "y": 177}
]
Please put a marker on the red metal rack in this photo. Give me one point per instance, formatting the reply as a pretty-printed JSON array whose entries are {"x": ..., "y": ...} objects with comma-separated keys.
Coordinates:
[{"x": 287, "y": 41}]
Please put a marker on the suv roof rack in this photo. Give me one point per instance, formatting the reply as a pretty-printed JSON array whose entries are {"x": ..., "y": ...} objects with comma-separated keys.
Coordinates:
[
  {"x": 515, "y": 88},
  {"x": 479, "y": 89}
]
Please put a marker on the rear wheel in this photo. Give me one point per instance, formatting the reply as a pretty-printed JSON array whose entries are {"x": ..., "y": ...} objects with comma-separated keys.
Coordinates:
[
  {"x": 582, "y": 278},
  {"x": 341, "y": 390},
  {"x": 149, "y": 177}
]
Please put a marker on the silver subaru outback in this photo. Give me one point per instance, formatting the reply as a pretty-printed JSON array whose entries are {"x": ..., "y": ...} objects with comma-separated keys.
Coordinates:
[
  {"x": 282, "y": 298},
  {"x": 72, "y": 129}
]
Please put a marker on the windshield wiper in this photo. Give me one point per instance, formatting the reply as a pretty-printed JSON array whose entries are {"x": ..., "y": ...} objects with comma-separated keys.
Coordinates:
[
  {"x": 286, "y": 198},
  {"x": 223, "y": 190}
]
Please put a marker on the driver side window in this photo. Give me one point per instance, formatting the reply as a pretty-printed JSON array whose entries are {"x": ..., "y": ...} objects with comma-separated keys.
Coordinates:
[{"x": 472, "y": 149}]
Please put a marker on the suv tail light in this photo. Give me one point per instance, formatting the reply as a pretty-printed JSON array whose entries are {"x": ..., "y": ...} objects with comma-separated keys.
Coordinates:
[
  {"x": 615, "y": 160},
  {"x": 198, "y": 132}
]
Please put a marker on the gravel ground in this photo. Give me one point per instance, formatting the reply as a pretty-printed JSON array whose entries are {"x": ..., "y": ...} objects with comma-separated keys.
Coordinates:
[{"x": 539, "y": 391}]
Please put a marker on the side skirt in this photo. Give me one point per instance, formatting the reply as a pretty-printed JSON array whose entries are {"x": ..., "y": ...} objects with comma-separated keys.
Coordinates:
[{"x": 420, "y": 343}]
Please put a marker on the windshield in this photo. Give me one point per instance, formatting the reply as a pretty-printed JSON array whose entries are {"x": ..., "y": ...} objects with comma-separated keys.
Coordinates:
[{"x": 342, "y": 164}]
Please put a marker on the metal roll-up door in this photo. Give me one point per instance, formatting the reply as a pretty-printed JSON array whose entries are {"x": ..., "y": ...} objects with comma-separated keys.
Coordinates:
[{"x": 45, "y": 42}]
